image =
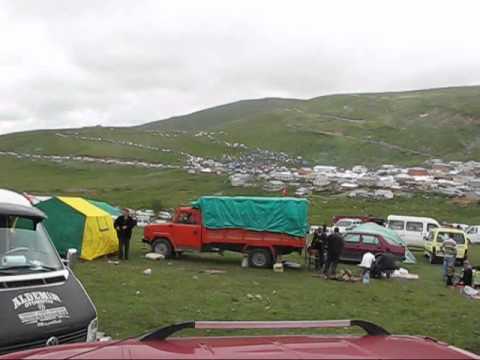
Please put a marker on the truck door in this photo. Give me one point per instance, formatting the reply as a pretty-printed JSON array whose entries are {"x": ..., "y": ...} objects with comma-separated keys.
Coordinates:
[{"x": 187, "y": 233}]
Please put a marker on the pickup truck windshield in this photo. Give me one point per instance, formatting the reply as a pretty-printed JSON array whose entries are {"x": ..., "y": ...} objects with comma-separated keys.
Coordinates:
[{"x": 26, "y": 248}]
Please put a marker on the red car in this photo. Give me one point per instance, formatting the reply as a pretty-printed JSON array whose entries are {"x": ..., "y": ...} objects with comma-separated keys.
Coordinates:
[
  {"x": 377, "y": 344},
  {"x": 358, "y": 243}
]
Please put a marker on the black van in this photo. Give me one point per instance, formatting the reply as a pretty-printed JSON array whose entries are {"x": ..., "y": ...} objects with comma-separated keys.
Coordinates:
[{"x": 42, "y": 303}]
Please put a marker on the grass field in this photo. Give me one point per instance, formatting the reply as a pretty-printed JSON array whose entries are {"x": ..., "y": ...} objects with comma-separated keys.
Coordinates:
[{"x": 179, "y": 290}]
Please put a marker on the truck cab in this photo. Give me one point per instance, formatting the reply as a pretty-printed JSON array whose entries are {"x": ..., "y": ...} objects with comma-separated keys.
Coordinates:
[
  {"x": 182, "y": 233},
  {"x": 42, "y": 301}
]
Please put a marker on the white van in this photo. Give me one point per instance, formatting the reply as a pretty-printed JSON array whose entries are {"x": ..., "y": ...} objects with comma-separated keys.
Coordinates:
[
  {"x": 412, "y": 229},
  {"x": 473, "y": 234}
]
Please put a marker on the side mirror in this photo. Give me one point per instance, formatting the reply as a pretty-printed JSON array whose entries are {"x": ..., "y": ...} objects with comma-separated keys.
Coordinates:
[{"x": 70, "y": 258}]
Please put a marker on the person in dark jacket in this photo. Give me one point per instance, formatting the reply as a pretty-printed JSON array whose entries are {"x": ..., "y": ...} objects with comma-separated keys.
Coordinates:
[
  {"x": 124, "y": 225},
  {"x": 467, "y": 277},
  {"x": 335, "y": 245},
  {"x": 384, "y": 264},
  {"x": 318, "y": 243}
]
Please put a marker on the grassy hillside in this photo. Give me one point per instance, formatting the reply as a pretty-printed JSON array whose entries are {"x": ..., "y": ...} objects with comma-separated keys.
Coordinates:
[{"x": 403, "y": 128}]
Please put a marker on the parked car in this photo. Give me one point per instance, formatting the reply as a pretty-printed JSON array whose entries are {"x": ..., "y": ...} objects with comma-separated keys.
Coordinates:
[
  {"x": 359, "y": 243},
  {"x": 412, "y": 229},
  {"x": 433, "y": 244},
  {"x": 164, "y": 215},
  {"x": 234, "y": 224},
  {"x": 346, "y": 224},
  {"x": 42, "y": 302},
  {"x": 473, "y": 234},
  {"x": 376, "y": 344}
]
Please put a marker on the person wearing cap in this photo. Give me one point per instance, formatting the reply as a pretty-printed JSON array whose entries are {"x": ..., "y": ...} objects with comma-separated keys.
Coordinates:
[{"x": 124, "y": 225}]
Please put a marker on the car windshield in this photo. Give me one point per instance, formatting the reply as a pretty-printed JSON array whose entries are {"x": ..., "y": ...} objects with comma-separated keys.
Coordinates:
[
  {"x": 344, "y": 223},
  {"x": 26, "y": 248},
  {"x": 458, "y": 237}
]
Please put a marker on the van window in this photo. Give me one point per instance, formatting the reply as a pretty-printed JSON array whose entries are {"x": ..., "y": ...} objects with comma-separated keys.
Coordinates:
[
  {"x": 352, "y": 238},
  {"x": 24, "y": 250},
  {"x": 370, "y": 240},
  {"x": 431, "y": 226},
  {"x": 396, "y": 224},
  {"x": 414, "y": 226}
]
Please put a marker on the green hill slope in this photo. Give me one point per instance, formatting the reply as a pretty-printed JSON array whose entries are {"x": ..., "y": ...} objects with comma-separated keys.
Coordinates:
[{"x": 371, "y": 129}]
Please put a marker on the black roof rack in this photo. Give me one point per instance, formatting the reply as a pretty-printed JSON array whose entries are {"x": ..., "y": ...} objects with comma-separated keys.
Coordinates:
[{"x": 164, "y": 332}]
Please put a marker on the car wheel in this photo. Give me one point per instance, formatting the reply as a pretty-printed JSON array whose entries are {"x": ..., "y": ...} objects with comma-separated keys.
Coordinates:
[
  {"x": 260, "y": 258},
  {"x": 162, "y": 246}
]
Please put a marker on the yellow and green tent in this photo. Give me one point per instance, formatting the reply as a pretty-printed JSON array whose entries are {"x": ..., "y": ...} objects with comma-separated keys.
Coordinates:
[{"x": 76, "y": 223}]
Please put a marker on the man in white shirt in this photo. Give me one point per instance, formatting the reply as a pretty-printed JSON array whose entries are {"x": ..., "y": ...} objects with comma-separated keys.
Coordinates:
[{"x": 367, "y": 260}]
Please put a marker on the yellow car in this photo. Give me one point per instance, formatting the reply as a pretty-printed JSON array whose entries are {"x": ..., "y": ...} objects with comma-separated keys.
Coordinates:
[{"x": 435, "y": 238}]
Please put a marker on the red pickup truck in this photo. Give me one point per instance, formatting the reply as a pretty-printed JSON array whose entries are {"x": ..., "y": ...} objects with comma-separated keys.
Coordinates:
[{"x": 190, "y": 231}]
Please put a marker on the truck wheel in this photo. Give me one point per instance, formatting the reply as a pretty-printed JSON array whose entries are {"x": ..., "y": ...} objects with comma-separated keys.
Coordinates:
[
  {"x": 260, "y": 258},
  {"x": 162, "y": 246}
]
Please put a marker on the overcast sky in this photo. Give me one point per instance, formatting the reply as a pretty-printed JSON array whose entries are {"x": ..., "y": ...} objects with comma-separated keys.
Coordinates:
[{"x": 79, "y": 63}]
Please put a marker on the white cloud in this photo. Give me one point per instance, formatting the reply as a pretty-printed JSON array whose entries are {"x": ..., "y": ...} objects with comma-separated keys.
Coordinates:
[{"x": 124, "y": 63}]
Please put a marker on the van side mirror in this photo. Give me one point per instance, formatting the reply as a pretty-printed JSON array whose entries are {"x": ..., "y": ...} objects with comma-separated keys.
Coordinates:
[{"x": 70, "y": 258}]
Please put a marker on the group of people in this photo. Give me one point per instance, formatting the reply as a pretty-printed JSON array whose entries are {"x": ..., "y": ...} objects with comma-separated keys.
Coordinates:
[{"x": 329, "y": 248}]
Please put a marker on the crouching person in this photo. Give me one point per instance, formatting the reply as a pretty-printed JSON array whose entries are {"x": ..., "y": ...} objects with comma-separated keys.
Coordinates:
[{"x": 384, "y": 264}]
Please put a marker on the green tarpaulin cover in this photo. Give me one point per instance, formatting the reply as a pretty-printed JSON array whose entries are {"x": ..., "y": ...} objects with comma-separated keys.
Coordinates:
[
  {"x": 388, "y": 234},
  {"x": 274, "y": 214}
]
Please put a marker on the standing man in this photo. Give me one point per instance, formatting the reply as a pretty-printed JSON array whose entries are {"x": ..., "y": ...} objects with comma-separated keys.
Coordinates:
[
  {"x": 318, "y": 243},
  {"x": 124, "y": 225},
  {"x": 449, "y": 249},
  {"x": 335, "y": 245}
]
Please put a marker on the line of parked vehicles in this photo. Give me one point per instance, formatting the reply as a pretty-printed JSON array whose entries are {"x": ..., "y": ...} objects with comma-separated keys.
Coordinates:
[{"x": 422, "y": 233}]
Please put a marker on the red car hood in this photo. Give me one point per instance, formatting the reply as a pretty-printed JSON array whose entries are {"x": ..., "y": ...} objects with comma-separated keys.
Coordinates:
[{"x": 264, "y": 347}]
